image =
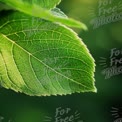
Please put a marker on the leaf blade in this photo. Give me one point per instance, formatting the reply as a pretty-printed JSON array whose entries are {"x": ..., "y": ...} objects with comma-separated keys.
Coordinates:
[
  {"x": 48, "y": 58},
  {"x": 47, "y": 4},
  {"x": 37, "y": 11}
]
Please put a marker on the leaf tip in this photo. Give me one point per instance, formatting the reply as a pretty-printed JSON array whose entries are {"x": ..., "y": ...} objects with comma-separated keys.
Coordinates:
[
  {"x": 95, "y": 90},
  {"x": 83, "y": 26}
]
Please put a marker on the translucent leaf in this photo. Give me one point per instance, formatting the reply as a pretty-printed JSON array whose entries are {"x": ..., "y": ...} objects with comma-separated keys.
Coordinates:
[
  {"x": 38, "y": 11},
  {"x": 41, "y": 58}
]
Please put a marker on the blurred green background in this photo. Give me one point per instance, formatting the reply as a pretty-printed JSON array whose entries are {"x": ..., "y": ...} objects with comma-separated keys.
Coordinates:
[{"x": 93, "y": 107}]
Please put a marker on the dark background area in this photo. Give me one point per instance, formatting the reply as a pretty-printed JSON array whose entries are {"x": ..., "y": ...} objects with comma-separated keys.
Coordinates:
[{"x": 93, "y": 107}]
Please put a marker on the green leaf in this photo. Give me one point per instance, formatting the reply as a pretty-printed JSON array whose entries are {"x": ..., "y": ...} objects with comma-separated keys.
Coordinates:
[
  {"x": 41, "y": 58},
  {"x": 48, "y": 4},
  {"x": 38, "y": 11}
]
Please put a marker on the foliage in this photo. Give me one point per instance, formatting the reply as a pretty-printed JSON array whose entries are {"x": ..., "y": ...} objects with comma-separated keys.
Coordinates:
[{"x": 39, "y": 54}]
